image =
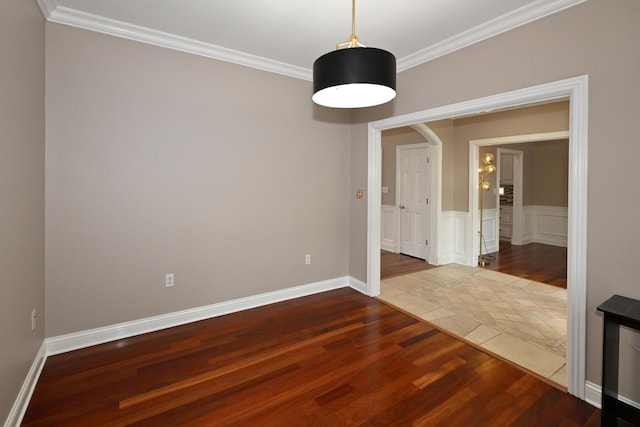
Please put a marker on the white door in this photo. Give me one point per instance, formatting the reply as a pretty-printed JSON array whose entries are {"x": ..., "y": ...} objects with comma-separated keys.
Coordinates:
[{"x": 413, "y": 199}]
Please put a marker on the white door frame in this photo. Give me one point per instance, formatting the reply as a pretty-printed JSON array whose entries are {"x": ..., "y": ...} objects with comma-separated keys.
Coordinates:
[
  {"x": 435, "y": 190},
  {"x": 517, "y": 218},
  {"x": 474, "y": 161},
  {"x": 577, "y": 90},
  {"x": 400, "y": 148}
]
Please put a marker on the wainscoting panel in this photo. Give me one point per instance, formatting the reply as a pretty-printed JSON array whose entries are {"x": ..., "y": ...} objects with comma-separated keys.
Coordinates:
[
  {"x": 528, "y": 217},
  {"x": 454, "y": 237},
  {"x": 545, "y": 224},
  {"x": 491, "y": 240},
  {"x": 541, "y": 224},
  {"x": 389, "y": 229},
  {"x": 447, "y": 237},
  {"x": 462, "y": 227},
  {"x": 550, "y": 225}
]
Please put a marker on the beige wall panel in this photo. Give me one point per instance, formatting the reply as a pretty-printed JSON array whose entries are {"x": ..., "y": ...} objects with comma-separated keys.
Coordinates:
[
  {"x": 598, "y": 38},
  {"x": 537, "y": 119},
  {"x": 445, "y": 131},
  {"x": 22, "y": 46},
  {"x": 163, "y": 162},
  {"x": 550, "y": 173},
  {"x": 545, "y": 172}
]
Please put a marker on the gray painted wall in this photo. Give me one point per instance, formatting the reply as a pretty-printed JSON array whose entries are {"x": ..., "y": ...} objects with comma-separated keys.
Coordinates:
[
  {"x": 550, "y": 158},
  {"x": 598, "y": 38},
  {"x": 22, "y": 45},
  {"x": 164, "y": 162}
]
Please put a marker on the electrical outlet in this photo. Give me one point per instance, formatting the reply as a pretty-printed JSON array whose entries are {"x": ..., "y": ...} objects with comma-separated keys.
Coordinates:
[
  {"x": 307, "y": 259},
  {"x": 168, "y": 280},
  {"x": 34, "y": 316}
]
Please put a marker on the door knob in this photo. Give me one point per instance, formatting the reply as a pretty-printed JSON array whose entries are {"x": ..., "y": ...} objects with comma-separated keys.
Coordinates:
[{"x": 401, "y": 206}]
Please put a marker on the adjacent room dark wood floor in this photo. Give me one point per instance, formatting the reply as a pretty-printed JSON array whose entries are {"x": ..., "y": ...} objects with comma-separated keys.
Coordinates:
[
  {"x": 392, "y": 264},
  {"x": 534, "y": 261},
  {"x": 333, "y": 359}
]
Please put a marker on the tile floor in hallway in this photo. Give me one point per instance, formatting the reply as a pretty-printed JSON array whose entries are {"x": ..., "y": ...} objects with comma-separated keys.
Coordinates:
[{"x": 517, "y": 319}]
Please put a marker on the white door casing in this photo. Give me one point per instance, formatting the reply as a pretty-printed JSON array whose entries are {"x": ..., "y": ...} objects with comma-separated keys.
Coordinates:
[
  {"x": 517, "y": 159},
  {"x": 577, "y": 90},
  {"x": 412, "y": 190}
]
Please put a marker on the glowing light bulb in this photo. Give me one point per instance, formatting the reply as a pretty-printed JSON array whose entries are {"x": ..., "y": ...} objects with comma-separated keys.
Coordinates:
[{"x": 487, "y": 158}]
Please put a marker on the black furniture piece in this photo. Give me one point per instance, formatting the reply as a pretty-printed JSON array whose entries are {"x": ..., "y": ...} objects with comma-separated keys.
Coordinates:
[{"x": 618, "y": 310}]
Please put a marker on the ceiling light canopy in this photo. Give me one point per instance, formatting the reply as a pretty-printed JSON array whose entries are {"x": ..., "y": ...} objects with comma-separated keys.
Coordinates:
[{"x": 354, "y": 76}]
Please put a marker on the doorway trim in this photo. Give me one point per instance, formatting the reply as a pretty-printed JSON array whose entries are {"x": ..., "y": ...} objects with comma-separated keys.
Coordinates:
[
  {"x": 474, "y": 160},
  {"x": 435, "y": 181},
  {"x": 577, "y": 90},
  {"x": 518, "y": 172}
]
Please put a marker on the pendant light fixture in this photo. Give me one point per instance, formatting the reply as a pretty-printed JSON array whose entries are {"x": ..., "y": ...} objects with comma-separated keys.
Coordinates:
[{"x": 354, "y": 76}]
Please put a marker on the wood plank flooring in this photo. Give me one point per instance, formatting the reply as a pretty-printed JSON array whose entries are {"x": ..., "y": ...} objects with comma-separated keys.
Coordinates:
[
  {"x": 534, "y": 261},
  {"x": 333, "y": 359},
  {"x": 392, "y": 264}
]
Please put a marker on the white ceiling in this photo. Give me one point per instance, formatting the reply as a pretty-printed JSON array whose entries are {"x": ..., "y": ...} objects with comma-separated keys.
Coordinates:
[{"x": 286, "y": 36}]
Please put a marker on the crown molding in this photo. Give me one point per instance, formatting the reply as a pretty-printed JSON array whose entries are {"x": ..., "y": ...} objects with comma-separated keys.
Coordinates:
[
  {"x": 75, "y": 18},
  {"x": 53, "y": 12},
  {"x": 499, "y": 25},
  {"x": 47, "y": 7}
]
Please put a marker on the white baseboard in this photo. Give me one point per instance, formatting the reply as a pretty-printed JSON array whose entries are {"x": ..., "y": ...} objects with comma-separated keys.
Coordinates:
[
  {"x": 358, "y": 285},
  {"x": 26, "y": 391},
  {"x": 82, "y": 339},
  {"x": 77, "y": 340},
  {"x": 63, "y": 343},
  {"x": 593, "y": 396}
]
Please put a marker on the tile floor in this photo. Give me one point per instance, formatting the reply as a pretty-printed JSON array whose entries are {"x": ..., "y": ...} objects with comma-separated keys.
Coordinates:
[{"x": 520, "y": 320}]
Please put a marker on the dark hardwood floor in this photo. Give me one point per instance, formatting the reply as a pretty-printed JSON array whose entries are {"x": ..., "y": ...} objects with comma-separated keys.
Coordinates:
[
  {"x": 333, "y": 359},
  {"x": 392, "y": 264},
  {"x": 534, "y": 261}
]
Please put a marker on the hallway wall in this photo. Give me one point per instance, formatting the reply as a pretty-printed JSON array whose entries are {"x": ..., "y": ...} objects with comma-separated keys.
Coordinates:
[{"x": 554, "y": 48}]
